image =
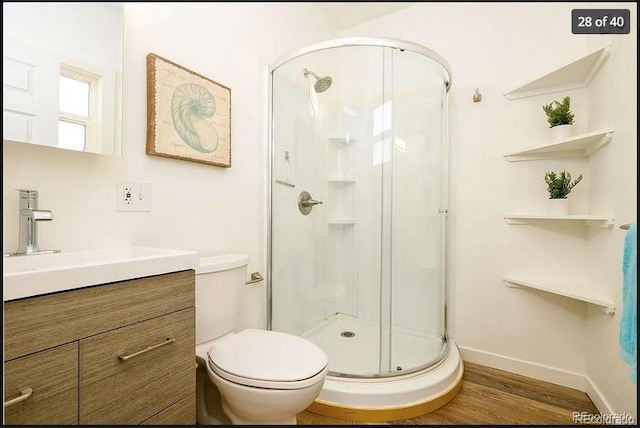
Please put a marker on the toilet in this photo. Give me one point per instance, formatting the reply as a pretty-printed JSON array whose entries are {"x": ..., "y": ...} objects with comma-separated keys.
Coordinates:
[{"x": 261, "y": 377}]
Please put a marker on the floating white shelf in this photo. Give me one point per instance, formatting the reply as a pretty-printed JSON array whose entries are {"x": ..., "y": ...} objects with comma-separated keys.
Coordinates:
[
  {"x": 575, "y": 75},
  {"x": 586, "y": 219},
  {"x": 341, "y": 179},
  {"x": 558, "y": 288},
  {"x": 582, "y": 145},
  {"x": 345, "y": 220}
]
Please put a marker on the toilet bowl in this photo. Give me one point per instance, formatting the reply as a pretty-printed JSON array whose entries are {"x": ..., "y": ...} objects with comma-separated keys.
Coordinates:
[{"x": 262, "y": 377}]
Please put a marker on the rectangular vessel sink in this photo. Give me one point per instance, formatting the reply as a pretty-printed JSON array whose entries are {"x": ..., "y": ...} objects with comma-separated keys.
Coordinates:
[{"x": 27, "y": 276}]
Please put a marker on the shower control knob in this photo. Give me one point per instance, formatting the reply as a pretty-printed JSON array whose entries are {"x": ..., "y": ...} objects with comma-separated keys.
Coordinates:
[{"x": 306, "y": 203}]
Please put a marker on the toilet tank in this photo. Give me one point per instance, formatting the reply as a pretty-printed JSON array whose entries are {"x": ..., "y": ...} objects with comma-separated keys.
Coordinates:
[{"x": 220, "y": 282}]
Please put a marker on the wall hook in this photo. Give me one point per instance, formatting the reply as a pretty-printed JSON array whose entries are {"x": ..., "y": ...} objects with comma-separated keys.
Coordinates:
[{"x": 477, "y": 97}]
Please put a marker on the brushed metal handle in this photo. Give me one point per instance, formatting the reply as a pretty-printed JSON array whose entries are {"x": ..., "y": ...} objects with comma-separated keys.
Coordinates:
[
  {"x": 150, "y": 348},
  {"x": 310, "y": 203},
  {"x": 25, "y": 394},
  {"x": 306, "y": 202},
  {"x": 255, "y": 277}
]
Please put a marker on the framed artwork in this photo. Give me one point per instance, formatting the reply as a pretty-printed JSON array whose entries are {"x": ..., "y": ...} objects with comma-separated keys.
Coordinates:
[{"x": 188, "y": 115}]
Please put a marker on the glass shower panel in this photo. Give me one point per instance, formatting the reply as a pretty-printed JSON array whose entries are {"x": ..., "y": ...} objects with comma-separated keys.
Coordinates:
[
  {"x": 357, "y": 207},
  {"x": 298, "y": 253},
  {"x": 325, "y": 265},
  {"x": 418, "y": 202}
]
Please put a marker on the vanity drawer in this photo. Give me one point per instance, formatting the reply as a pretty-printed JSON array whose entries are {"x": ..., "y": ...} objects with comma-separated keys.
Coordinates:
[
  {"x": 41, "y": 322},
  {"x": 52, "y": 376},
  {"x": 181, "y": 413},
  {"x": 132, "y": 373}
]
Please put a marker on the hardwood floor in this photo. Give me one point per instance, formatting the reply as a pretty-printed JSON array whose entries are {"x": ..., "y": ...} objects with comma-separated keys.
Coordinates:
[{"x": 492, "y": 397}]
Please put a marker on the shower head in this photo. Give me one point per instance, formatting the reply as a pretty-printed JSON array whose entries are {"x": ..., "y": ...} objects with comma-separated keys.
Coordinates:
[{"x": 322, "y": 83}]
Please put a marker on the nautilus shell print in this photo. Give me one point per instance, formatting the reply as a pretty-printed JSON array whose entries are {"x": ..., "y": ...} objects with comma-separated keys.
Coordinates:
[{"x": 192, "y": 108}]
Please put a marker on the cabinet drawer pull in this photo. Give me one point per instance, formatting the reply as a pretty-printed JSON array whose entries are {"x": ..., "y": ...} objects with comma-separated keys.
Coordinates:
[
  {"x": 24, "y": 395},
  {"x": 150, "y": 348}
]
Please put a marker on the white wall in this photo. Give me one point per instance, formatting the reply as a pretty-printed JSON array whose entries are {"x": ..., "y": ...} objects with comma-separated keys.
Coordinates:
[
  {"x": 614, "y": 95},
  {"x": 495, "y": 47},
  {"x": 194, "y": 206}
]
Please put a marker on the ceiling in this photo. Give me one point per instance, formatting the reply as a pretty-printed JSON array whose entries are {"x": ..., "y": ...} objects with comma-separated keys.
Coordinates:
[{"x": 348, "y": 14}]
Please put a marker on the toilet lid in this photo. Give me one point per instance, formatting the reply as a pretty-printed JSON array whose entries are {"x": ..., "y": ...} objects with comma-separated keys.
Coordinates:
[{"x": 254, "y": 356}]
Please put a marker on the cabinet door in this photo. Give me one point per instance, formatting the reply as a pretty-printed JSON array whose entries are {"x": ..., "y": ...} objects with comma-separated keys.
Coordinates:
[
  {"x": 181, "y": 413},
  {"x": 132, "y": 373},
  {"x": 42, "y": 388}
]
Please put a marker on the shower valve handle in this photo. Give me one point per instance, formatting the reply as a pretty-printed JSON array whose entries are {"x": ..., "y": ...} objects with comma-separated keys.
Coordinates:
[
  {"x": 310, "y": 203},
  {"x": 306, "y": 202}
]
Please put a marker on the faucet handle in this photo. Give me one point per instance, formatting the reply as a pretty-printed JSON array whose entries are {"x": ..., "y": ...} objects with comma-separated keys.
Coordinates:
[
  {"x": 28, "y": 193},
  {"x": 28, "y": 199}
]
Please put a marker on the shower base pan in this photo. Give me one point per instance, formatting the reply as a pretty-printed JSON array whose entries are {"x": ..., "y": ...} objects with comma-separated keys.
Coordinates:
[{"x": 383, "y": 399}]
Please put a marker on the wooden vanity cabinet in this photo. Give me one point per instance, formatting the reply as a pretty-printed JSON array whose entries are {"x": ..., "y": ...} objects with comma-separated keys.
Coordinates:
[{"x": 119, "y": 353}]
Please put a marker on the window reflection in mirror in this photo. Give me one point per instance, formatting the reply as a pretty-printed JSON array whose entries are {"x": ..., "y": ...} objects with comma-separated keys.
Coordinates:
[{"x": 62, "y": 75}]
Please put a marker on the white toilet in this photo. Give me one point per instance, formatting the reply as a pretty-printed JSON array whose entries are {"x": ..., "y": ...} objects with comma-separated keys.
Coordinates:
[{"x": 262, "y": 377}]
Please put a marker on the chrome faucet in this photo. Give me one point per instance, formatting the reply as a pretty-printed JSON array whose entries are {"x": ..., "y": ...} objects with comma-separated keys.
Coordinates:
[{"x": 30, "y": 215}]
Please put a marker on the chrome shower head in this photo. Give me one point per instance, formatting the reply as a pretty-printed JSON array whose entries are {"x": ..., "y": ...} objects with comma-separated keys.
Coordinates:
[{"x": 322, "y": 83}]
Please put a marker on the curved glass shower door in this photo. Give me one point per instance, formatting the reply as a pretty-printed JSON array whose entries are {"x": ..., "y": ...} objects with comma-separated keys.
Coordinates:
[{"x": 356, "y": 261}]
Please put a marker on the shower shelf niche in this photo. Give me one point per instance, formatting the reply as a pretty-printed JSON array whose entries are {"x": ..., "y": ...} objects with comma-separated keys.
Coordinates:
[
  {"x": 560, "y": 289},
  {"x": 334, "y": 179},
  {"x": 583, "y": 145},
  {"x": 341, "y": 221},
  {"x": 345, "y": 140},
  {"x": 587, "y": 220}
]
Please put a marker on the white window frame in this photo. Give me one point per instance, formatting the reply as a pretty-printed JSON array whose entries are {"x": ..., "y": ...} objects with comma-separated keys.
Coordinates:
[{"x": 92, "y": 122}]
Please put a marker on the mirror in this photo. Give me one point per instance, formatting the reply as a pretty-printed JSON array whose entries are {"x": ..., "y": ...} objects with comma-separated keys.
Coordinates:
[{"x": 62, "y": 75}]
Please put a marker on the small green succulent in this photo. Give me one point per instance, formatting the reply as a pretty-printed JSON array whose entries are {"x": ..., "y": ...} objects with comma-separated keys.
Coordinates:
[
  {"x": 559, "y": 113},
  {"x": 559, "y": 185}
]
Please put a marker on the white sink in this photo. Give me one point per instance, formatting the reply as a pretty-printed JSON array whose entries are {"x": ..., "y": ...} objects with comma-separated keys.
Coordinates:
[{"x": 26, "y": 276}]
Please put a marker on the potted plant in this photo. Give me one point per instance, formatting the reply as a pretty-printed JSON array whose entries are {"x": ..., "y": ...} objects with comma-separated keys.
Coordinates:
[
  {"x": 559, "y": 186},
  {"x": 560, "y": 118}
]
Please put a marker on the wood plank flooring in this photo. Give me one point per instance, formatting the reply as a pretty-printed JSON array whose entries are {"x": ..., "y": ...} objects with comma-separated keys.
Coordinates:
[{"x": 492, "y": 397}]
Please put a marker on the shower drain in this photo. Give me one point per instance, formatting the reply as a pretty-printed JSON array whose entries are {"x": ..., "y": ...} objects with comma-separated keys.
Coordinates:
[{"x": 347, "y": 334}]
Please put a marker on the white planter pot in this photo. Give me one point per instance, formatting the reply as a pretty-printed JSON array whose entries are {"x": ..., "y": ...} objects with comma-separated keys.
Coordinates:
[
  {"x": 559, "y": 207},
  {"x": 561, "y": 132}
]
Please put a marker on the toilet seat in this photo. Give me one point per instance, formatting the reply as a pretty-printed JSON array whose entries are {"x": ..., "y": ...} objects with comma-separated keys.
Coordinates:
[{"x": 267, "y": 359}]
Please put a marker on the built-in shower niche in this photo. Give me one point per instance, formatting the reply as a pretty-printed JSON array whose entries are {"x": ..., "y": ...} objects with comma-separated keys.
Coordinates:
[
  {"x": 341, "y": 287},
  {"x": 343, "y": 123},
  {"x": 343, "y": 128},
  {"x": 341, "y": 158},
  {"x": 341, "y": 201}
]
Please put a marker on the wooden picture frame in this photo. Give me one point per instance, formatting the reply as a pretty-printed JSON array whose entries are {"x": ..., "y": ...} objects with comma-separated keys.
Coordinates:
[{"x": 188, "y": 115}]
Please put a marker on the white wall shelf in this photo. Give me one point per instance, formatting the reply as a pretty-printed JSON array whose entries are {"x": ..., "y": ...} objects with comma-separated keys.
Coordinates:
[
  {"x": 582, "y": 145},
  {"x": 575, "y": 75},
  {"x": 558, "y": 288},
  {"x": 587, "y": 219}
]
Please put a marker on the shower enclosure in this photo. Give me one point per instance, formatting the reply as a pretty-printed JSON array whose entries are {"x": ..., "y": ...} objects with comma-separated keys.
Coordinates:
[{"x": 358, "y": 205}]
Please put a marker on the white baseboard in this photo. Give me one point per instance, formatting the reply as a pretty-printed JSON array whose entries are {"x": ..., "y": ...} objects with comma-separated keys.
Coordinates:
[
  {"x": 538, "y": 371},
  {"x": 598, "y": 398}
]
